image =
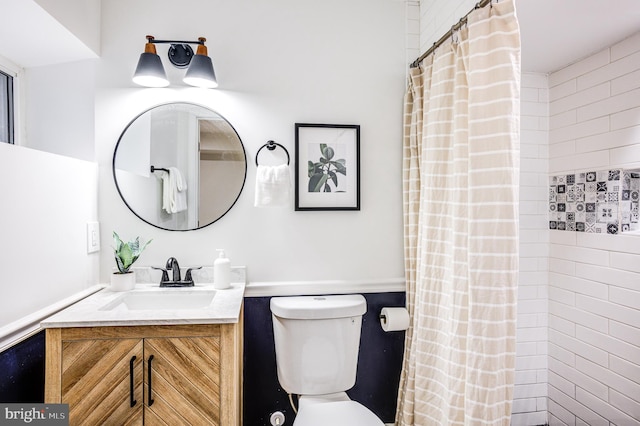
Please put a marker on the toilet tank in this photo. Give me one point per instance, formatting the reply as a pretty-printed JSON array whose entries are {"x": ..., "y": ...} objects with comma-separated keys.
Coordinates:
[{"x": 317, "y": 339}]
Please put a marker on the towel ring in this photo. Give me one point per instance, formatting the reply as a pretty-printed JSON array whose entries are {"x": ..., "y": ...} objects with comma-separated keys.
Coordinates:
[{"x": 271, "y": 145}]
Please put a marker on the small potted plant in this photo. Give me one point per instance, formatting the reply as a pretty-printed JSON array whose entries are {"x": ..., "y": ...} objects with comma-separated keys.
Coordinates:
[{"x": 125, "y": 254}]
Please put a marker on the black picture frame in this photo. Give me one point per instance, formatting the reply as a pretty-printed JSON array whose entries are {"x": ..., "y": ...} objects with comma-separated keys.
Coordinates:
[{"x": 327, "y": 167}]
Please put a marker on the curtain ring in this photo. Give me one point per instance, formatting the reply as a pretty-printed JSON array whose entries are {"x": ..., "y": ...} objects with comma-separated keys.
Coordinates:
[{"x": 454, "y": 34}]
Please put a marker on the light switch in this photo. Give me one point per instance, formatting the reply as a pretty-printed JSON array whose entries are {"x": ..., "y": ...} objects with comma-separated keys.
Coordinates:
[{"x": 93, "y": 237}]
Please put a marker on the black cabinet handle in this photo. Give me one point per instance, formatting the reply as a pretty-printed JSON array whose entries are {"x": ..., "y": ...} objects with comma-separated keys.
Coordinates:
[
  {"x": 131, "y": 399},
  {"x": 149, "y": 374}
]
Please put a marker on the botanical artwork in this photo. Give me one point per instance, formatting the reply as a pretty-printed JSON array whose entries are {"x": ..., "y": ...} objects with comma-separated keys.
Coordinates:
[
  {"x": 323, "y": 174},
  {"x": 327, "y": 172},
  {"x": 604, "y": 201}
]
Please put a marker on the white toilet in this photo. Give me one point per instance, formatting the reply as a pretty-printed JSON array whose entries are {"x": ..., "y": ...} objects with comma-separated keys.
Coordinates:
[{"x": 317, "y": 341}]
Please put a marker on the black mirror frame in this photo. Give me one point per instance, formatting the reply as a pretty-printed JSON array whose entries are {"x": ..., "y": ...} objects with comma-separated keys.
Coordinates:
[{"x": 113, "y": 166}]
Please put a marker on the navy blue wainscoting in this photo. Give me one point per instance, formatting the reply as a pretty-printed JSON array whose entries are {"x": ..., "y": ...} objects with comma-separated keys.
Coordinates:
[
  {"x": 22, "y": 371},
  {"x": 379, "y": 363}
]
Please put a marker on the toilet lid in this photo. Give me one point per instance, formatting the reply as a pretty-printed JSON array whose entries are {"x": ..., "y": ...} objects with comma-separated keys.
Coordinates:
[{"x": 341, "y": 413}]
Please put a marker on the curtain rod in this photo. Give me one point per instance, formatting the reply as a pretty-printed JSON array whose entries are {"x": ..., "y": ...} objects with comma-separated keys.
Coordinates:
[{"x": 448, "y": 34}]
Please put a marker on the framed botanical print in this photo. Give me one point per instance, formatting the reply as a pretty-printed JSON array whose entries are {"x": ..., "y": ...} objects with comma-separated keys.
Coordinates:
[{"x": 327, "y": 171}]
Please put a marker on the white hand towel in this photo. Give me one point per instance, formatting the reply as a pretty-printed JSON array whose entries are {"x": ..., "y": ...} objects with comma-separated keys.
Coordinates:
[
  {"x": 165, "y": 192},
  {"x": 174, "y": 191},
  {"x": 177, "y": 190},
  {"x": 273, "y": 185}
]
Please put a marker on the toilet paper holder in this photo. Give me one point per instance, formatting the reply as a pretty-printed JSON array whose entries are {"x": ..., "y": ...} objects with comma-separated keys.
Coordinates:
[{"x": 394, "y": 318}]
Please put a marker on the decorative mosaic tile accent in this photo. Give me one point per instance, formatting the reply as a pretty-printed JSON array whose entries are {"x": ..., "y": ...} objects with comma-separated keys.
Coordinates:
[
  {"x": 629, "y": 198},
  {"x": 604, "y": 201}
]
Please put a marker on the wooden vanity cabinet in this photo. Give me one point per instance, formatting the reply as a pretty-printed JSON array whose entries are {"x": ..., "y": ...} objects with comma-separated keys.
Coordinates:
[{"x": 170, "y": 375}]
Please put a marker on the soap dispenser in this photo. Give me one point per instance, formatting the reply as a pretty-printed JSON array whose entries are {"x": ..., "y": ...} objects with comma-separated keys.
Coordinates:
[{"x": 221, "y": 271}]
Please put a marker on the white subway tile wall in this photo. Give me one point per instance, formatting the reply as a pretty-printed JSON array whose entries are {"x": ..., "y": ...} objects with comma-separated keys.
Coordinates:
[
  {"x": 412, "y": 33},
  {"x": 594, "y": 279},
  {"x": 530, "y": 393}
]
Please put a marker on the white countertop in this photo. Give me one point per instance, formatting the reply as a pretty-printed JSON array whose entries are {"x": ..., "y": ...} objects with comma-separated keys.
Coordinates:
[{"x": 91, "y": 312}]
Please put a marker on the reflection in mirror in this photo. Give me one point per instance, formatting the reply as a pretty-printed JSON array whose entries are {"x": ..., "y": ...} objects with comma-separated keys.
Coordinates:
[{"x": 179, "y": 166}]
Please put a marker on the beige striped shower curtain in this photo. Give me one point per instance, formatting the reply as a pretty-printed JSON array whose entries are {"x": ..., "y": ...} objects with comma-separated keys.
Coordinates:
[{"x": 461, "y": 176}]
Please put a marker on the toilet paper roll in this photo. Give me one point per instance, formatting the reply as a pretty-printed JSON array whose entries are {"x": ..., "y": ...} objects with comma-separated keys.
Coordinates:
[{"x": 394, "y": 319}]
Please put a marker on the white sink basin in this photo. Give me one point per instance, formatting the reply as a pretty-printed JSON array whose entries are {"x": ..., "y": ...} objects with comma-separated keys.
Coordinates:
[{"x": 161, "y": 300}]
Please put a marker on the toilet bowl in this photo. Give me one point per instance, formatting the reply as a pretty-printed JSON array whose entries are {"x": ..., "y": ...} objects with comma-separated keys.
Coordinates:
[
  {"x": 334, "y": 409},
  {"x": 317, "y": 339}
]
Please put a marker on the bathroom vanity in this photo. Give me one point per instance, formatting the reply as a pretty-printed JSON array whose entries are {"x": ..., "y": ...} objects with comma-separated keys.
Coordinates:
[{"x": 130, "y": 358}]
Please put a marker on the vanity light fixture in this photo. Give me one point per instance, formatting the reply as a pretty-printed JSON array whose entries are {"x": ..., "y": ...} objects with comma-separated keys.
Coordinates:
[{"x": 150, "y": 72}]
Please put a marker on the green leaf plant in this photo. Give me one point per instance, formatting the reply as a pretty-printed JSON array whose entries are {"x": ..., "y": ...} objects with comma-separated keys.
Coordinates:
[
  {"x": 325, "y": 170},
  {"x": 127, "y": 253}
]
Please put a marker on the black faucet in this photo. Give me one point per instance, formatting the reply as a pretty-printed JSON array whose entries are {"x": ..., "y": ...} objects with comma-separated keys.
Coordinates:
[
  {"x": 175, "y": 281},
  {"x": 172, "y": 264}
]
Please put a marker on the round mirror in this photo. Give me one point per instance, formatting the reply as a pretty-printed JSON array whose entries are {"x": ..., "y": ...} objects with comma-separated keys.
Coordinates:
[{"x": 179, "y": 166}]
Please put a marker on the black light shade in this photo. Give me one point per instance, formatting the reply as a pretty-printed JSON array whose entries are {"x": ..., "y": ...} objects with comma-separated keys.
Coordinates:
[
  {"x": 200, "y": 72},
  {"x": 150, "y": 72}
]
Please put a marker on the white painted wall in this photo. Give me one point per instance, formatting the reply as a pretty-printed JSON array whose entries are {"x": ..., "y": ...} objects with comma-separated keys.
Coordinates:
[
  {"x": 47, "y": 200},
  {"x": 80, "y": 17},
  {"x": 594, "y": 285},
  {"x": 59, "y": 109},
  {"x": 56, "y": 73},
  {"x": 30, "y": 36},
  {"x": 277, "y": 63}
]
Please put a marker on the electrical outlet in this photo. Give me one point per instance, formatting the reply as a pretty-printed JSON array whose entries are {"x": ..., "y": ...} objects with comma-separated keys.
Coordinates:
[{"x": 93, "y": 237}]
